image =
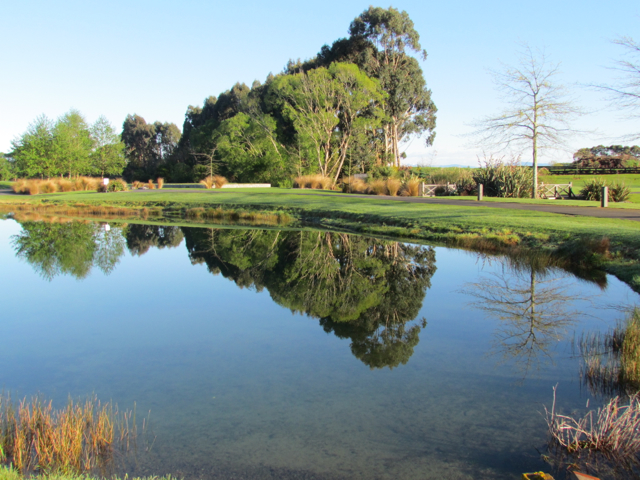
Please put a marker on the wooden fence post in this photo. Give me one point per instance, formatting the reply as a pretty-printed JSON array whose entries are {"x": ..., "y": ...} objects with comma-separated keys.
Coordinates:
[
  {"x": 604, "y": 197},
  {"x": 480, "y": 192}
]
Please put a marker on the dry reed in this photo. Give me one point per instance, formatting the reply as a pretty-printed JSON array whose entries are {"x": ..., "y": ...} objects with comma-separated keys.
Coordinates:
[{"x": 72, "y": 440}]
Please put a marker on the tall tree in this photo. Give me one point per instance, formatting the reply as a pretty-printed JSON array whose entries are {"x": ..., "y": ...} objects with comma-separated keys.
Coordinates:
[
  {"x": 327, "y": 106},
  {"x": 147, "y": 146},
  {"x": 33, "y": 151},
  {"x": 378, "y": 44},
  {"x": 72, "y": 144},
  {"x": 538, "y": 111},
  {"x": 107, "y": 157}
]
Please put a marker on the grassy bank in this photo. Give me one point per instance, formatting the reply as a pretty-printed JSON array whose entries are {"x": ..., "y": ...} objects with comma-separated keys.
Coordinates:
[{"x": 614, "y": 245}]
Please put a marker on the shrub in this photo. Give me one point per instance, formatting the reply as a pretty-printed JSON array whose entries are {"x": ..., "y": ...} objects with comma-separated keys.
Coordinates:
[
  {"x": 619, "y": 192},
  {"x": 592, "y": 190}
]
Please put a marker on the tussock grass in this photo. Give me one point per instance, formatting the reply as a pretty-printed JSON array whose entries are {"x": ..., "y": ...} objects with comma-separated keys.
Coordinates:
[
  {"x": 378, "y": 187},
  {"x": 318, "y": 182},
  {"x": 219, "y": 181},
  {"x": 412, "y": 187},
  {"x": 393, "y": 186},
  {"x": 160, "y": 182},
  {"x": 150, "y": 185},
  {"x": 208, "y": 182},
  {"x": 76, "y": 439},
  {"x": 35, "y": 186}
]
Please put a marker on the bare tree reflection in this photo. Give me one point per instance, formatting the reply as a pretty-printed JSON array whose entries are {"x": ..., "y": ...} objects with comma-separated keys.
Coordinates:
[{"x": 533, "y": 309}]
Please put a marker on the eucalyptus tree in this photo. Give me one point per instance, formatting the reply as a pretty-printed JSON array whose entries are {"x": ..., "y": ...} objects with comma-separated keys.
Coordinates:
[
  {"x": 538, "y": 110},
  {"x": 107, "y": 157},
  {"x": 328, "y": 106}
]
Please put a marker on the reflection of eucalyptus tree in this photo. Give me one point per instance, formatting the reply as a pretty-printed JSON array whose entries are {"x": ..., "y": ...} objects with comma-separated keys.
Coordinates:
[
  {"x": 361, "y": 288},
  {"x": 71, "y": 248},
  {"x": 531, "y": 307},
  {"x": 140, "y": 238}
]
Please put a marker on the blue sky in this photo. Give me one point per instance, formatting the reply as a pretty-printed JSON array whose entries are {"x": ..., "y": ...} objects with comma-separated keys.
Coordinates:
[{"x": 156, "y": 58}]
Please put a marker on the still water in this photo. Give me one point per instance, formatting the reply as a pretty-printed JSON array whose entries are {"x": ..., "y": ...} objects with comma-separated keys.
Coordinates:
[{"x": 288, "y": 354}]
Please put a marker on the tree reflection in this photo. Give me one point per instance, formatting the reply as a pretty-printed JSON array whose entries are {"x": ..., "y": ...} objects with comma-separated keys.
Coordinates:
[
  {"x": 364, "y": 289},
  {"x": 140, "y": 238},
  {"x": 532, "y": 307},
  {"x": 69, "y": 248}
]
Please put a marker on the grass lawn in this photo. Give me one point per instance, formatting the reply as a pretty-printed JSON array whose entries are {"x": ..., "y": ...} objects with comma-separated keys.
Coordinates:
[
  {"x": 630, "y": 180},
  {"x": 5, "y": 185}
]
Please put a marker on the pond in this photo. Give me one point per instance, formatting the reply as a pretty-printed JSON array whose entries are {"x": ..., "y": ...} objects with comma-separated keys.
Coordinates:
[{"x": 299, "y": 354}]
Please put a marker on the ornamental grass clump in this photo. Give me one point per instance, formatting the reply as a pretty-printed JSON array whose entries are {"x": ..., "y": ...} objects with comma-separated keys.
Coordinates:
[
  {"x": 208, "y": 182},
  {"x": 393, "y": 186},
  {"x": 378, "y": 187},
  {"x": 412, "y": 187},
  {"x": 504, "y": 179},
  {"x": 150, "y": 185},
  {"x": 219, "y": 181},
  {"x": 160, "y": 182},
  {"x": 317, "y": 181}
]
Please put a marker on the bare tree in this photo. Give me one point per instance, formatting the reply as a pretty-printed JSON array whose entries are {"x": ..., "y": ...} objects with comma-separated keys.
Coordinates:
[
  {"x": 625, "y": 92},
  {"x": 538, "y": 110}
]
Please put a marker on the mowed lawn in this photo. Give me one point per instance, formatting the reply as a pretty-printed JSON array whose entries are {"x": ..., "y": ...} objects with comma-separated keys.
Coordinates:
[{"x": 630, "y": 180}]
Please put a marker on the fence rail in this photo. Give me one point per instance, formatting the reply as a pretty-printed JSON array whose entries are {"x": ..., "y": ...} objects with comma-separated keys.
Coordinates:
[{"x": 591, "y": 170}]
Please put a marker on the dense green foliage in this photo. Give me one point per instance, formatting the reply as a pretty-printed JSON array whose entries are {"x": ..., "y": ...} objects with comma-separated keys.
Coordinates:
[
  {"x": 68, "y": 147},
  {"x": 344, "y": 111},
  {"x": 613, "y": 156},
  {"x": 506, "y": 180}
]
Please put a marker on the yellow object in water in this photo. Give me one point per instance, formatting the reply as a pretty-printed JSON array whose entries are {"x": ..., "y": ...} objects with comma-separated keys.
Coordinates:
[{"x": 536, "y": 476}]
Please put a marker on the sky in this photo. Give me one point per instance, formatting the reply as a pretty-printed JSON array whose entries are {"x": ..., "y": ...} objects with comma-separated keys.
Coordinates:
[{"x": 155, "y": 58}]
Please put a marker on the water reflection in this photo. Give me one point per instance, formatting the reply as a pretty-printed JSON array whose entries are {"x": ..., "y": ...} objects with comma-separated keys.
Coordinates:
[
  {"x": 533, "y": 307},
  {"x": 71, "y": 248},
  {"x": 363, "y": 289}
]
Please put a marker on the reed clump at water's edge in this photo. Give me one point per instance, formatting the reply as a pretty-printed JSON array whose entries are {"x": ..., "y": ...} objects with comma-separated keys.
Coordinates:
[{"x": 35, "y": 437}]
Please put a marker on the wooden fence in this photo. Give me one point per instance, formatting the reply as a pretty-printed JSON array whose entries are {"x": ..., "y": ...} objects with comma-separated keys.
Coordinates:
[{"x": 565, "y": 170}]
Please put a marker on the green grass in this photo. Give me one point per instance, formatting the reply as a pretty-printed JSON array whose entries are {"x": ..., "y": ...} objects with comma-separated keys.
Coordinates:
[
  {"x": 7, "y": 473},
  {"x": 456, "y": 225},
  {"x": 630, "y": 180}
]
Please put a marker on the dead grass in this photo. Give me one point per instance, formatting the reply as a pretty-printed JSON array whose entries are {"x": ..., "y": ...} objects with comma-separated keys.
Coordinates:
[
  {"x": 36, "y": 186},
  {"x": 378, "y": 187},
  {"x": 160, "y": 182},
  {"x": 412, "y": 187},
  {"x": 611, "y": 430},
  {"x": 73, "y": 440},
  {"x": 150, "y": 185}
]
